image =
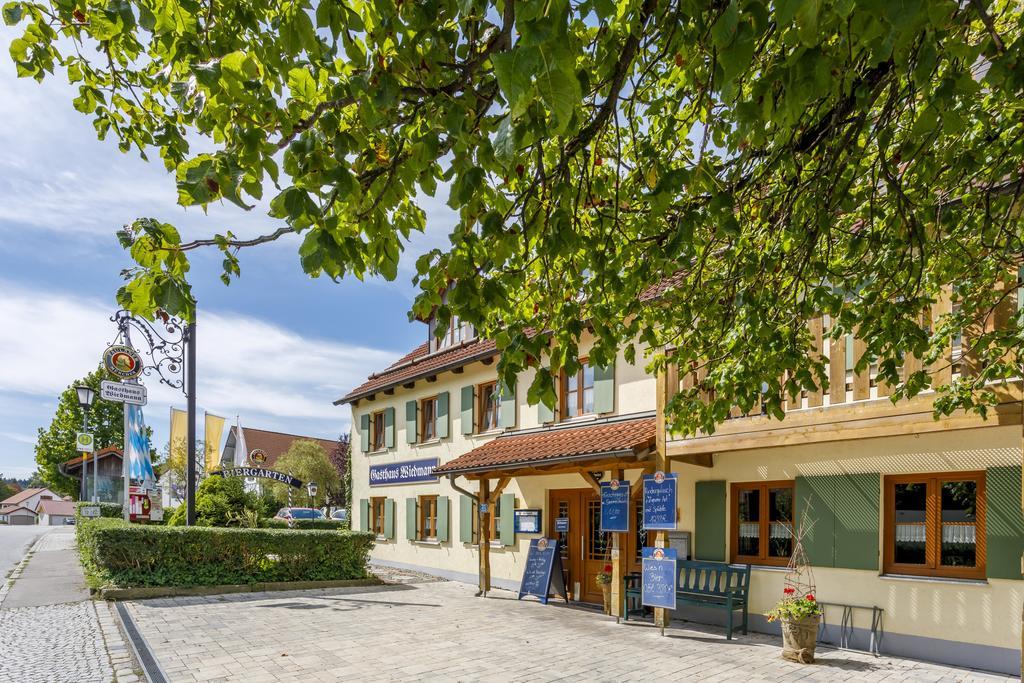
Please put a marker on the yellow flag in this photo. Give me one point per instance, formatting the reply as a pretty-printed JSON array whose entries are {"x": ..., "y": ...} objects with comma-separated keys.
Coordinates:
[
  {"x": 179, "y": 437},
  {"x": 214, "y": 430}
]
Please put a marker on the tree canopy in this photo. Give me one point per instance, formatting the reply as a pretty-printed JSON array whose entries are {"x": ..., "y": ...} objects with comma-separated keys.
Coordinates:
[
  {"x": 307, "y": 461},
  {"x": 55, "y": 445},
  {"x": 778, "y": 159}
]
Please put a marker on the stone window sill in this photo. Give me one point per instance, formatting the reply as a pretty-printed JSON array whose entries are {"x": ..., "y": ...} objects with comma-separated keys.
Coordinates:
[
  {"x": 427, "y": 542},
  {"x": 934, "y": 579}
]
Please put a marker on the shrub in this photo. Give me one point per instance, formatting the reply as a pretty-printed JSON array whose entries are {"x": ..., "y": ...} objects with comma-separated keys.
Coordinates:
[
  {"x": 219, "y": 500},
  {"x": 319, "y": 524},
  {"x": 121, "y": 554}
]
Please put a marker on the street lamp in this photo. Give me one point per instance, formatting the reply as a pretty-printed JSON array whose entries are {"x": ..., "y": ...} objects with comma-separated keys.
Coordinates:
[
  {"x": 86, "y": 395},
  {"x": 311, "y": 489}
]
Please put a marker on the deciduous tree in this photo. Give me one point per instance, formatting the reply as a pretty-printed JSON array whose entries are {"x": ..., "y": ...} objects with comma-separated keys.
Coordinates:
[{"x": 757, "y": 163}]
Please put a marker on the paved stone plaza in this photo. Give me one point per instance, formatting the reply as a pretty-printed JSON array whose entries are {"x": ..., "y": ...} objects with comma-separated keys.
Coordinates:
[{"x": 435, "y": 630}]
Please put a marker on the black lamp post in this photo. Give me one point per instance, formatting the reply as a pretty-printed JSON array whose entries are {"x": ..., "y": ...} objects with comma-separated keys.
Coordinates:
[
  {"x": 86, "y": 395},
  {"x": 311, "y": 489}
]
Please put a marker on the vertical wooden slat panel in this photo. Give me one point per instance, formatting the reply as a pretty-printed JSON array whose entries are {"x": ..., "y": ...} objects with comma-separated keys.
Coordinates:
[
  {"x": 912, "y": 363},
  {"x": 1006, "y": 307},
  {"x": 837, "y": 371},
  {"x": 942, "y": 369},
  {"x": 671, "y": 379},
  {"x": 701, "y": 375},
  {"x": 815, "y": 398},
  {"x": 862, "y": 379},
  {"x": 970, "y": 362}
]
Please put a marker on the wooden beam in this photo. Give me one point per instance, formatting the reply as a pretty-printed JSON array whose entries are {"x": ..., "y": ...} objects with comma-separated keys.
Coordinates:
[
  {"x": 661, "y": 463},
  {"x": 618, "y": 549},
  {"x": 590, "y": 479},
  {"x": 816, "y": 398},
  {"x": 389, "y": 392},
  {"x": 488, "y": 360},
  {"x": 502, "y": 483},
  {"x": 432, "y": 378},
  {"x": 484, "y": 539},
  {"x": 942, "y": 369},
  {"x": 862, "y": 379},
  {"x": 837, "y": 371},
  {"x": 458, "y": 370},
  {"x": 409, "y": 385},
  {"x": 699, "y": 459}
]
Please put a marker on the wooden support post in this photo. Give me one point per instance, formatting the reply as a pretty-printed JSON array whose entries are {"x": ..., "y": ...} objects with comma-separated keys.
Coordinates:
[
  {"x": 594, "y": 484},
  {"x": 837, "y": 371},
  {"x": 816, "y": 398},
  {"x": 862, "y": 379},
  {"x": 661, "y": 463},
  {"x": 484, "y": 537},
  {"x": 618, "y": 545},
  {"x": 942, "y": 369}
]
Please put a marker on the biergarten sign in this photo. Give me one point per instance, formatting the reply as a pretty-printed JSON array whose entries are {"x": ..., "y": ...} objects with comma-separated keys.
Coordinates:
[
  {"x": 121, "y": 392},
  {"x": 405, "y": 472},
  {"x": 659, "y": 510},
  {"x": 260, "y": 472},
  {"x": 122, "y": 361},
  {"x": 615, "y": 505}
]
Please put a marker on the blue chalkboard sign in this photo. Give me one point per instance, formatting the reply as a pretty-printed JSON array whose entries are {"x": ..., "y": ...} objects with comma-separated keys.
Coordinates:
[
  {"x": 660, "y": 501},
  {"x": 542, "y": 575},
  {"x": 658, "y": 582},
  {"x": 614, "y": 505}
]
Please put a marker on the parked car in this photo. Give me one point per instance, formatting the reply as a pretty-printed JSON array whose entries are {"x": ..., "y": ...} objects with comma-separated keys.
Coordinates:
[
  {"x": 290, "y": 514},
  {"x": 340, "y": 515}
]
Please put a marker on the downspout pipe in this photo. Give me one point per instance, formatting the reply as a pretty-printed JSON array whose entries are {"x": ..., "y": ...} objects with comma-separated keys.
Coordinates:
[{"x": 451, "y": 481}]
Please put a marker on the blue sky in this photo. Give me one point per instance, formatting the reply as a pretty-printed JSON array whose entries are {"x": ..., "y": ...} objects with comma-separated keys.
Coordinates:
[{"x": 275, "y": 348}]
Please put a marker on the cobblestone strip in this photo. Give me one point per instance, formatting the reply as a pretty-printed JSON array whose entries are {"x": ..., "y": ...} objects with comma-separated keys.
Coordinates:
[
  {"x": 126, "y": 668},
  {"x": 53, "y": 644},
  {"x": 5, "y": 587}
]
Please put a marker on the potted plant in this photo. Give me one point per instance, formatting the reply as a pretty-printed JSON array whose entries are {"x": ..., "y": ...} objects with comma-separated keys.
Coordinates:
[
  {"x": 604, "y": 580},
  {"x": 799, "y": 616}
]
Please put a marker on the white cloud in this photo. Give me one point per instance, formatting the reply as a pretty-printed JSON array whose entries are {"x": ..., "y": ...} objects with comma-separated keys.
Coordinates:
[{"x": 270, "y": 376}]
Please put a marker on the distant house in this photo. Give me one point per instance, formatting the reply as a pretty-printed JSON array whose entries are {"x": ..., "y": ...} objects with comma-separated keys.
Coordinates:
[
  {"x": 56, "y": 512},
  {"x": 21, "y": 507},
  {"x": 110, "y": 484},
  {"x": 263, "y": 448}
]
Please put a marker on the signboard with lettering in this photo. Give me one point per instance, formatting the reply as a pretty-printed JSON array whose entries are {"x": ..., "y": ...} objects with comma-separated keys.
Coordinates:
[
  {"x": 660, "y": 501},
  {"x": 405, "y": 472},
  {"x": 562, "y": 524},
  {"x": 542, "y": 575},
  {"x": 614, "y": 505},
  {"x": 527, "y": 521},
  {"x": 123, "y": 392},
  {"x": 658, "y": 581},
  {"x": 259, "y": 472}
]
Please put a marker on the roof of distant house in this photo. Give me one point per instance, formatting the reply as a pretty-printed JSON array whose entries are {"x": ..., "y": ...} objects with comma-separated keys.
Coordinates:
[
  {"x": 15, "y": 508},
  {"x": 22, "y": 496},
  {"x": 275, "y": 444},
  {"x": 56, "y": 507}
]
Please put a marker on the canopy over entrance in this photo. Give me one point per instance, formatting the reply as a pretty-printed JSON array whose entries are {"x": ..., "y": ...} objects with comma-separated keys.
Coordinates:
[{"x": 608, "y": 444}]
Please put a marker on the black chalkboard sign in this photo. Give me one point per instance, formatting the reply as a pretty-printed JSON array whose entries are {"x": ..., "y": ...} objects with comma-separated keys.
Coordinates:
[{"x": 543, "y": 573}]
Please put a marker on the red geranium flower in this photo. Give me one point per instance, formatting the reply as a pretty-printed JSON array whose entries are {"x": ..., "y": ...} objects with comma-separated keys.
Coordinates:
[
  {"x": 607, "y": 569},
  {"x": 810, "y": 597},
  {"x": 789, "y": 591}
]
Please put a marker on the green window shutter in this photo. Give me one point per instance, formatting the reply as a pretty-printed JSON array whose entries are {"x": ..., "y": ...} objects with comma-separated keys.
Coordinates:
[
  {"x": 507, "y": 407},
  {"x": 442, "y": 415},
  {"x": 410, "y": 422},
  {"x": 465, "y": 519},
  {"x": 1004, "y": 525},
  {"x": 389, "y": 427},
  {"x": 604, "y": 389},
  {"x": 389, "y": 519},
  {"x": 709, "y": 537},
  {"x": 856, "y": 512},
  {"x": 442, "y": 518},
  {"x": 814, "y": 496},
  {"x": 364, "y": 514},
  {"x": 466, "y": 419},
  {"x": 506, "y": 525},
  {"x": 544, "y": 413},
  {"x": 410, "y": 519},
  {"x": 364, "y": 432}
]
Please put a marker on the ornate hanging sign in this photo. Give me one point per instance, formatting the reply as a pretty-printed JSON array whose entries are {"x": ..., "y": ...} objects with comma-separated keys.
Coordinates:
[
  {"x": 259, "y": 472},
  {"x": 257, "y": 456},
  {"x": 122, "y": 361}
]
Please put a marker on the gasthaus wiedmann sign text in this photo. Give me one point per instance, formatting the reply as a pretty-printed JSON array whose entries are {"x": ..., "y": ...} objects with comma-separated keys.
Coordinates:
[{"x": 405, "y": 472}]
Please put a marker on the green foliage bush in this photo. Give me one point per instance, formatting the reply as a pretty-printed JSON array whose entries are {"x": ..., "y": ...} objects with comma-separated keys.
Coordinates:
[
  {"x": 115, "y": 510},
  {"x": 319, "y": 524},
  {"x": 219, "y": 500},
  {"x": 116, "y": 553}
]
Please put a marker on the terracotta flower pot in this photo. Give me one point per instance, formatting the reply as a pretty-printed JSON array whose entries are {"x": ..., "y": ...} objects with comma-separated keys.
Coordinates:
[{"x": 799, "y": 639}]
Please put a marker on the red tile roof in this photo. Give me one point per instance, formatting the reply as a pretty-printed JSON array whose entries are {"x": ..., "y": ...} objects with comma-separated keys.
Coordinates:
[
  {"x": 102, "y": 453},
  {"x": 56, "y": 507},
  {"x": 657, "y": 290},
  {"x": 534, "y": 448},
  {"x": 275, "y": 444},
  {"x": 419, "y": 363}
]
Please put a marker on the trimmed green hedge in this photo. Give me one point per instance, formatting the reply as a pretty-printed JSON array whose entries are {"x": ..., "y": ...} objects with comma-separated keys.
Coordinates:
[
  {"x": 115, "y": 510},
  {"x": 116, "y": 553},
  {"x": 327, "y": 524}
]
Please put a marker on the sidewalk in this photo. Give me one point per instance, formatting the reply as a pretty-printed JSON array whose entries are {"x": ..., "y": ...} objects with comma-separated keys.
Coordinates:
[{"x": 50, "y": 630}]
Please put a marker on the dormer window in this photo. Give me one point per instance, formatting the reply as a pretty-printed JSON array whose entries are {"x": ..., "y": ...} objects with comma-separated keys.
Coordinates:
[{"x": 457, "y": 333}]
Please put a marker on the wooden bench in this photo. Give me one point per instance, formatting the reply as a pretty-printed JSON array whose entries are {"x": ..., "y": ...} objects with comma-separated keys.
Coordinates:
[{"x": 708, "y": 584}]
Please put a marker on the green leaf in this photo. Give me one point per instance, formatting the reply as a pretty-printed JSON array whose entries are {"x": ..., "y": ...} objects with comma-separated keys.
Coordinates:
[
  {"x": 302, "y": 85},
  {"x": 504, "y": 141},
  {"x": 13, "y": 12},
  {"x": 807, "y": 21}
]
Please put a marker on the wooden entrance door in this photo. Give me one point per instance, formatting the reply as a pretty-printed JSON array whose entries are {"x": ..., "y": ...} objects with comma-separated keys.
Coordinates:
[{"x": 584, "y": 548}]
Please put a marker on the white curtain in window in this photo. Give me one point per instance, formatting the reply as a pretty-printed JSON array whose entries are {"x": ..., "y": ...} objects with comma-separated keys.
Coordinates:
[{"x": 750, "y": 530}]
